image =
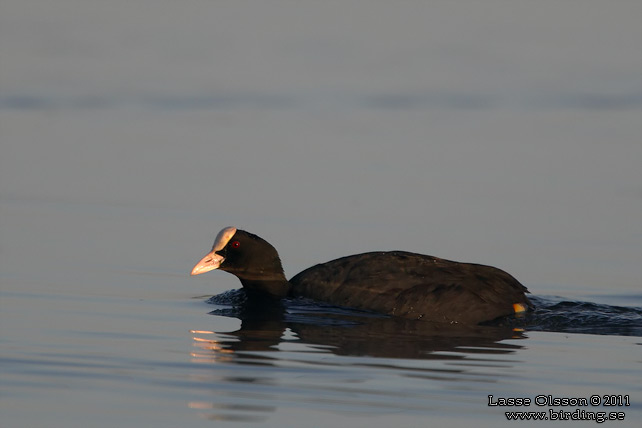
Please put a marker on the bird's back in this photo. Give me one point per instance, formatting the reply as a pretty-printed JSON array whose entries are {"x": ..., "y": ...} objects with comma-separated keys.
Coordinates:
[{"x": 413, "y": 285}]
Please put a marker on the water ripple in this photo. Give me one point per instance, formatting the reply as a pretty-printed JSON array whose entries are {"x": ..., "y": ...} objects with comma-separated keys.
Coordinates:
[{"x": 389, "y": 101}]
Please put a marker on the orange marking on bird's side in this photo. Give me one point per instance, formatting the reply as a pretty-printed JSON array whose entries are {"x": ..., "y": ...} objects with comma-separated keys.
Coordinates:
[{"x": 518, "y": 308}]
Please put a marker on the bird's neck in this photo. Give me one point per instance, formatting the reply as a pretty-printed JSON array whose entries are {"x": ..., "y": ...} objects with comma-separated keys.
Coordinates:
[
  {"x": 276, "y": 287},
  {"x": 264, "y": 277}
]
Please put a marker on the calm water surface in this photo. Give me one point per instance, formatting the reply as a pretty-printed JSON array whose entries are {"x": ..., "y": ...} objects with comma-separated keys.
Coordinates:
[
  {"x": 86, "y": 345},
  {"x": 492, "y": 132}
]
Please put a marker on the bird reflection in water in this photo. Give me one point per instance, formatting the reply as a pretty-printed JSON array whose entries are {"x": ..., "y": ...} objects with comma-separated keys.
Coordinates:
[
  {"x": 210, "y": 349},
  {"x": 344, "y": 331},
  {"x": 282, "y": 344}
]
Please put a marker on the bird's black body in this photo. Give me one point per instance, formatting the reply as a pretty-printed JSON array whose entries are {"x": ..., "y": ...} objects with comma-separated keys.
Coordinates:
[
  {"x": 414, "y": 286},
  {"x": 397, "y": 283}
]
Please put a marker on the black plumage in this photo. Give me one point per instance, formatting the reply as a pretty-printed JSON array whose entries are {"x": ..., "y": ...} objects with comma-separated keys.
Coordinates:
[{"x": 397, "y": 283}]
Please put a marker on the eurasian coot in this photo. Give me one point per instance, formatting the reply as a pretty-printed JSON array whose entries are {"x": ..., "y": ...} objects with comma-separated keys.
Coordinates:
[{"x": 397, "y": 283}]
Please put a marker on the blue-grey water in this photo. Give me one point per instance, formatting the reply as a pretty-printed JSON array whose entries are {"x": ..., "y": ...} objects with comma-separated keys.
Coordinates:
[{"x": 504, "y": 133}]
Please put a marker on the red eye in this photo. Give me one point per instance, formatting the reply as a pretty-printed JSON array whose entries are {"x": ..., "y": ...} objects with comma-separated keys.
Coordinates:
[{"x": 236, "y": 244}]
